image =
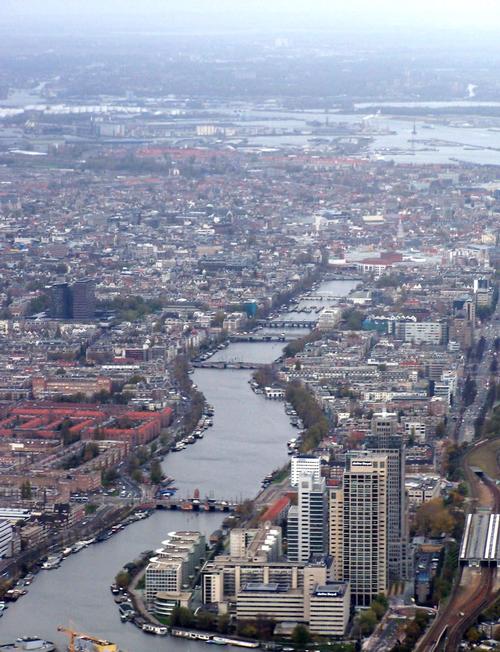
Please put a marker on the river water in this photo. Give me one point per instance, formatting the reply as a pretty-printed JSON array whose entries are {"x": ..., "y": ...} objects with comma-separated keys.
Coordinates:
[{"x": 246, "y": 442}]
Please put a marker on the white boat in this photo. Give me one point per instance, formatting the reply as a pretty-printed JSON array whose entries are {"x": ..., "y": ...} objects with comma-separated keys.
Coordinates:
[
  {"x": 159, "y": 630},
  {"x": 180, "y": 446},
  {"x": 29, "y": 643},
  {"x": 54, "y": 561}
]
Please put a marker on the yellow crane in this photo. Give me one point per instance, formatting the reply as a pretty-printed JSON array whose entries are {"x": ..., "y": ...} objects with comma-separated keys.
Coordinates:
[{"x": 99, "y": 645}]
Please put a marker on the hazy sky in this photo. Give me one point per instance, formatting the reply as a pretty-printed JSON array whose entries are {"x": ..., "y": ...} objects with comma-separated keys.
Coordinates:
[{"x": 254, "y": 14}]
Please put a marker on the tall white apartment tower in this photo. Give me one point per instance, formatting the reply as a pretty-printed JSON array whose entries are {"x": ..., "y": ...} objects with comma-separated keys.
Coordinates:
[{"x": 307, "y": 523}]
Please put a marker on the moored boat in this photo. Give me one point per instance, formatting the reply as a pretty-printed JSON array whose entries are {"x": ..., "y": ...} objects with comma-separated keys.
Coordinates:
[
  {"x": 158, "y": 630},
  {"x": 29, "y": 643}
]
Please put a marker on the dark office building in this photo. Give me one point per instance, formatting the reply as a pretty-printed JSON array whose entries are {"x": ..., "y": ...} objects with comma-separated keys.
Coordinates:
[
  {"x": 83, "y": 299},
  {"x": 61, "y": 301}
]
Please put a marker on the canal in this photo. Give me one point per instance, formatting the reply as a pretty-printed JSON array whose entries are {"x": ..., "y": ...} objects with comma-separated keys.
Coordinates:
[{"x": 247, "y": 441}]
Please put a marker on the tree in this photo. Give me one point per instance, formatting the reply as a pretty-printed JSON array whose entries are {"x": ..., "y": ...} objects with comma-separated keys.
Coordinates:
[
  {"x": 204, "y": 620},
  {"x": 136, "y": 475},
  {"x": 218, "y": 319},
  {"x": 26, "y": 490},
  {"x": 472, "y": 635},
  {"x": 353, "y": 319},
  {"x": 300, "y": 637},
  {"x": 109, "y": 476},
  {"x": 156, "y": 473},
  {"x": 122, "y": 579},
  {"x": 382, "y": 599},
  {"x": 223, "y": 623},
  {"x": 90, "y": 451},
  {"x": 378, "y": 609},
  {"x": 434, "y": 519},
  {"x": 182, "y": 617},
  {"x": 367, "y": 621}
]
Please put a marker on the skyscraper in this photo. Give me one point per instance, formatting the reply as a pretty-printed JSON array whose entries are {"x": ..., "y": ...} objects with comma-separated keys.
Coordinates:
[
  {"x": 307, "y": 525},
  {"x": 384, "y": 439},
  {"x": 61, "y": 304},
  {"x": 358, "y": 526},
  {"x": 84, "y": 299}
]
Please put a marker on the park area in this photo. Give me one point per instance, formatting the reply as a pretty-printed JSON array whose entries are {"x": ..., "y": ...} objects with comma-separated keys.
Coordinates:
[{"x": 487, "y": 458}]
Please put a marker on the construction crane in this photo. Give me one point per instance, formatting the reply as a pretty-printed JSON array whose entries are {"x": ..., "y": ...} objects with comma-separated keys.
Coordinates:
[{"x": 99, "y": 645}]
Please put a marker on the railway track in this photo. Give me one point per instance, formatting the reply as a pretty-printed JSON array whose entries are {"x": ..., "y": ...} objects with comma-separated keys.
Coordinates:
[{"x": 450, "y": 625}]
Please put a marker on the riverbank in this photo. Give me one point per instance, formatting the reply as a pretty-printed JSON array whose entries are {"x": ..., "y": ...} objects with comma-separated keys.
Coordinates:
[{"x": 247, "y": 440}]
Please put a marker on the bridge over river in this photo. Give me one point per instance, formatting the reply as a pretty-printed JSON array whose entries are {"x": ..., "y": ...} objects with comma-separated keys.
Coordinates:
[
  {"x": 287, "y": 323},
  {"x": 228, "y": 364}
]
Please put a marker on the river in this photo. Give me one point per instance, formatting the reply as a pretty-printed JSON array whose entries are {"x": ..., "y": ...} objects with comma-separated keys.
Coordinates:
[{"x": 246, "y": 442}]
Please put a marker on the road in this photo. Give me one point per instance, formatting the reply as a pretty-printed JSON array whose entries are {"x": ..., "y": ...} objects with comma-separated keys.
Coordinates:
[{"x": 481, "y": 374}]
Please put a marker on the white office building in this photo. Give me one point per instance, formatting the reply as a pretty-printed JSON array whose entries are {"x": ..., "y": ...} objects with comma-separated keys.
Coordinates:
[{"x": 329, "y": 609}]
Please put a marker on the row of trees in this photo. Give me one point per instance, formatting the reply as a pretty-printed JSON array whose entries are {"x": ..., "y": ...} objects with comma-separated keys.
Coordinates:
[
  {"x": 140, "y": 457},
  {"x": 204, "y": 620},
  {"x": 261, "y": 627},
  {"x": 309, "y": 410},
  {"x": 443, "y": 582}
]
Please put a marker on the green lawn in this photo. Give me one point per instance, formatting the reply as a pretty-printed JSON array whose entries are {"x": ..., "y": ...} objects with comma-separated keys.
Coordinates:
[{"x": 487, "y": 458}]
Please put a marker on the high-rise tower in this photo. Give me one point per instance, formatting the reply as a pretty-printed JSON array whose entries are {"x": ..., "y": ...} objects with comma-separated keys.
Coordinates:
[
  {"x": 358, "y": 526},
  {"x": 384, "y": 439},
  {"x": 307, "y": 523}
]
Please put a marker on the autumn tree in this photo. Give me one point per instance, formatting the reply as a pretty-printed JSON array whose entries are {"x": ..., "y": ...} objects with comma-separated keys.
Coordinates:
[{"x": 434, "y": 519}]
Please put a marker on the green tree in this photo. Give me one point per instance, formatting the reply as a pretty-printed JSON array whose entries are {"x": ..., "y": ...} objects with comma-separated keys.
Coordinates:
[
  {"x": 136, "y": 475},
  {"x": 181, "y": 617},
  {"x": 301, "y": 637},
  {"x": 205, "y": 620},
  {"x": 156, "y": 473},
  {"x": 353, "y": 319},
  {"x": 223, "y": 623},
  {"x": 367, "y": 621},
  {"x": 109, "y": 476}
]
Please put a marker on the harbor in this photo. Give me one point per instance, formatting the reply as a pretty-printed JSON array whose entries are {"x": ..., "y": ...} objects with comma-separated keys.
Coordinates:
[{"x": 248, "y": 440}]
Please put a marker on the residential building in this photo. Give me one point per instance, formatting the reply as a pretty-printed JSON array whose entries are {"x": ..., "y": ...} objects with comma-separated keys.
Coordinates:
[
  {"x": 311, "y": 511},
  {"x": 383, "y": 439},
  {"x": 362, "y": 526},
  {"x": 171, "y": 571},
  {"x": 6, "y": 537},
  {"x": 304, "y": 465}
]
